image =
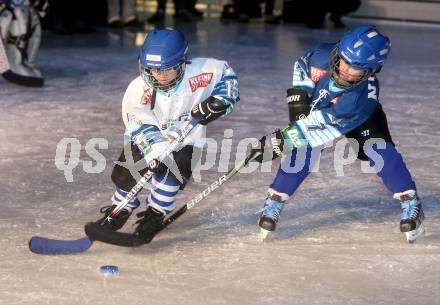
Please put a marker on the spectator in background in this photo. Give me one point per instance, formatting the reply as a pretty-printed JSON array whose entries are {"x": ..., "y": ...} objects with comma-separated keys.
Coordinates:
[
  {"x": 184, "y": 10},
  {"x": 313, "y": 12},
  {"x": 248, "y": 9},
  {"x": 244, "y": 10},
  {"x": 269, "y": 17},
  {"x": 159, "y": 16},
  {"x": 341, "y": 8},
  {"x": 68, "y": 17},
  {"x": 122, "y": 13}
]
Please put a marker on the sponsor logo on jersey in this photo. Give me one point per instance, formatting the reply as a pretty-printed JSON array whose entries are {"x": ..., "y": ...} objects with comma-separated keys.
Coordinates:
[
  {"x": 184, "y": 117},
  {"x": 365, "y": 133},
  {"x": 317, "y": 74},
  {"x": 147, "y": 97},
  {"x": 199, "y": 81},
  {"x": 322, "y": 95},
  {"x": 335, "y": 100}
]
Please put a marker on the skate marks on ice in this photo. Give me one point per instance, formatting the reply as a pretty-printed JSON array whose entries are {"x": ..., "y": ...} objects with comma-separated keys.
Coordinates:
[
  {"x": 342, "y": 250},
  {"x": 212, "y": 256},
  {"x": 231, "y": 271}
]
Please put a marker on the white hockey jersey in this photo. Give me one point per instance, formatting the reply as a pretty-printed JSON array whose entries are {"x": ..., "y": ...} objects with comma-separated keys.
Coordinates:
[{"x": 151, "y": 122}]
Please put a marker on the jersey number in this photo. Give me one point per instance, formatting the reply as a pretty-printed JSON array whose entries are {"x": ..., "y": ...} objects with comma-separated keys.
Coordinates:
[{"x": 372, "y": 91}]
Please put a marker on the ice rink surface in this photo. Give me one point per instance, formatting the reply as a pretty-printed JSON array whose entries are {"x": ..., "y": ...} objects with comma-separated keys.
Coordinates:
[{"x": 338, "y": 240}]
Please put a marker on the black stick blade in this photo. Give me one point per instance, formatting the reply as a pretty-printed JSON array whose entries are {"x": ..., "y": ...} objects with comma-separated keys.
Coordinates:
[{"x": 97, "y": 233}]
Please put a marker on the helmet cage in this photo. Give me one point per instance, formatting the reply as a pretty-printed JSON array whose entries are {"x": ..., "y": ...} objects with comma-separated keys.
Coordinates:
[
  {"x": 335, "y": 59},
  {"x": 148, "y": 77}
]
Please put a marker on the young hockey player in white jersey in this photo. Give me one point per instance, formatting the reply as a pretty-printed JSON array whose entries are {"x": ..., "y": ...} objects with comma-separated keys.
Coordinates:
[
  {"x": 169, "y": 90},
  {"x": 335, "y": 92},
  {"x": 20, "y": 32}
]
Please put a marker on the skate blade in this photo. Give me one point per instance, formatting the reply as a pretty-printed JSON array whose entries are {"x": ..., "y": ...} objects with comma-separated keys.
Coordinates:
[
  {"x": 413, "y": 235},
  {"x": 263, "y": 234}
]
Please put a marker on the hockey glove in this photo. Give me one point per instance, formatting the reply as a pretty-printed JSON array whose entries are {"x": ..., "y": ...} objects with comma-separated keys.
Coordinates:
[
  {"x": 209, "y": 110},
  {"x": 268, "y": 147},
  {"x": 299, "y": 104}
]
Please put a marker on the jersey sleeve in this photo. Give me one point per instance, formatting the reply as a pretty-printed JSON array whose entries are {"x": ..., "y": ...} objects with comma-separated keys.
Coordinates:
[
  {"x": 327, "y": 124},
  {"x": 141, "y": 125},
  {"x": 226, "y": 89},
  {"x": 310, "y": 67},
  {"x": 301, "y": 74},
  {"x": 316, "y": 129}
]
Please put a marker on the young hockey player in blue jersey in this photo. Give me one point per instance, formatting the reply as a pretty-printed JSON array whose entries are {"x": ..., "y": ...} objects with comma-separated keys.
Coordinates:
[
  {"x": 335, "y": 92},
  {"x": 169, "y": 91}
]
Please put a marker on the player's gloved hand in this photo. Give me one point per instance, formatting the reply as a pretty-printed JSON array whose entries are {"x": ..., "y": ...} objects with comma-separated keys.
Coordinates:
[
  {"x": 156, "y": 166},
  {"x": 299, "y": 104},
  {"x": 209, "y": 110},
  {"x": 269, "y": 147}
]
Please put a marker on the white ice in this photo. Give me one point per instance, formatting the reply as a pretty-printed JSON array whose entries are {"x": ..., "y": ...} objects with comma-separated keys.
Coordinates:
[{"x": 337, "y": 242}]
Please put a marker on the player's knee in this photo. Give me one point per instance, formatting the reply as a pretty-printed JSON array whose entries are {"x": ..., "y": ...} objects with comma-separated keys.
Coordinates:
[
  {"x": 183, "y": 165},
  {"x": 122, "y": 178}
]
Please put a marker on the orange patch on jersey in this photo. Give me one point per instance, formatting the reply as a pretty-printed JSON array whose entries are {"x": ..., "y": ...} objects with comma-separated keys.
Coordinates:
[
  {"x": 199, "y": 81},
  {"x": 147, "y": 96},
  {"x": 317, "y": 74},
  {"x": 335, "y": 100}
]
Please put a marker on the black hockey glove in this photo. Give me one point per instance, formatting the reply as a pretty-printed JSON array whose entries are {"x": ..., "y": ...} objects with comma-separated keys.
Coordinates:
[
  {"x": 269, "y": 147},
  {"x": 299, "y": 104},
  {"x": 209, "y": 110}
]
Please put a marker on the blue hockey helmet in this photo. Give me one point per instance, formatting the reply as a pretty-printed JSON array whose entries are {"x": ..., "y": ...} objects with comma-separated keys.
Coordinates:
[
  {"x": 163, "y": 52},
  {"x": 362, "y": 48}
]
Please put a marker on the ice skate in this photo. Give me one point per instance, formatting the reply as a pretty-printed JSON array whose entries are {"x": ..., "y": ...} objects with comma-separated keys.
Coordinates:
[
  {"x": 411, "y": 219},
  {"x": 116, "y": 222},
  {"x": 270, "y": 214},
  {"x": 149, "y": 224}
]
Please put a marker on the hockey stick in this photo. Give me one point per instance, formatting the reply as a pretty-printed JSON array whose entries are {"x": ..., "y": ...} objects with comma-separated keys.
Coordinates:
[
  {"x": 145, "y": 178},
  {"x": 96, "y": 232},
  {"x": 43, "y": 245},
  {"x": 48, "y": 246}
]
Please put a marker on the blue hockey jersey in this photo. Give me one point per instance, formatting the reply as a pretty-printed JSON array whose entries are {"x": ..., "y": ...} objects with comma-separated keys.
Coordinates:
[{"x": 334, "y": 111}]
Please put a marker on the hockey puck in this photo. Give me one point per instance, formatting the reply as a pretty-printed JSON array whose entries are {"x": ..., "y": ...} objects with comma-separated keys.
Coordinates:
[{"x": 109, "y": 270}]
